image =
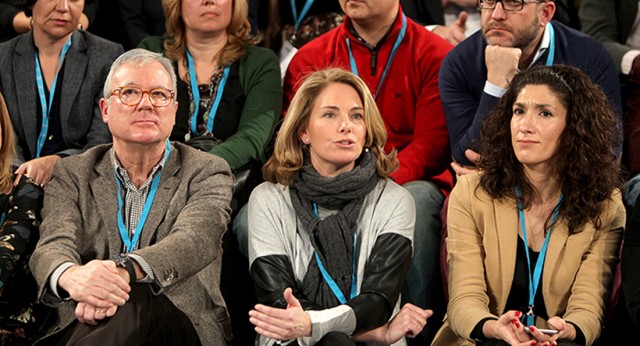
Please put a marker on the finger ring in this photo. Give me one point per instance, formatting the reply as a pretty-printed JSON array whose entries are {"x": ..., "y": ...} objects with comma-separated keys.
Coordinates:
[
  {"x": 101, "y": 311},
  {"x": 417, "y": 324}
]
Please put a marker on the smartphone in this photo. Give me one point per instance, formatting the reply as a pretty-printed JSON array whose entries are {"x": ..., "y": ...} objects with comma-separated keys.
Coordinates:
[{"x": 543, "y": 331}]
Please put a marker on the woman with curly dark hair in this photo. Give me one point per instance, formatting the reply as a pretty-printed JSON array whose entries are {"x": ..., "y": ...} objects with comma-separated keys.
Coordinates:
[{"x": 534, "y": 236}]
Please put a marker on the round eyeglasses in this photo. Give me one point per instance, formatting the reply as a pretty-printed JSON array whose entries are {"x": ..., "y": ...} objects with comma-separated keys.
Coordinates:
[
  {"x": 131, "y": 96},
  {"x": 507, "y": 5}
]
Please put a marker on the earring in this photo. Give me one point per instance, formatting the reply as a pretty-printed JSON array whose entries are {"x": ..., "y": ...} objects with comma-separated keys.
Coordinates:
[
  {"x": 306, "y": 140},
  {"x": 366, "y": 150}
]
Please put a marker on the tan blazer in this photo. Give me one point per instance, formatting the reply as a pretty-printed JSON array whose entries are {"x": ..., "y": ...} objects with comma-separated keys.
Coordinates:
[
  {"x": 181, "y": 240},
  {"x": 482, "y": 244}
]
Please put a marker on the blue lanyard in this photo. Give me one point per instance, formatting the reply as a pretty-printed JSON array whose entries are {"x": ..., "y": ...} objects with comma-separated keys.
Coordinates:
[
  {"x": 552, "y": 45},
  {"x": 298, "y": 19},
  {"x": 196, "y": 96},
  {"x": 394, "y": 50},
  {"x": 534, "y": 279},
  {"x": 46, "y": 109},
  {"x": 327, "y": 277},
  {"x": 130, "y": 243}
]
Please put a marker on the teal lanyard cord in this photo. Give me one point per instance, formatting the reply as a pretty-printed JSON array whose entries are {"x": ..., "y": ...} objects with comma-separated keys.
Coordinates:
[
  {"x": 534, "y": 279},
  {"x": 46, "y": 108},
  {"x": 130, "y": 243},
  {"x": 394, "y": 50},
  {"x": 297, "y": 19},
  {"x": 327, "y": 277},
  {"x": 196, "y": 96}
]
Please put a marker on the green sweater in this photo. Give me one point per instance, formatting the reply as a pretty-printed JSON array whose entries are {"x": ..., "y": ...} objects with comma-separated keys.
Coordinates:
[{"x": 249, "y": 109}]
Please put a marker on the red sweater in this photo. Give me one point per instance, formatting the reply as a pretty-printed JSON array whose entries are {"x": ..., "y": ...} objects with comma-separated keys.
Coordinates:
[{"x": 409, "y": 100}]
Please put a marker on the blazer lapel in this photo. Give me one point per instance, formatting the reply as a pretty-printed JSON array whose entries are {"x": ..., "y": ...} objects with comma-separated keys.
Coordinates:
[
  {"x": 168, "y": 185},
  {"x": 104, "y": 188},
  {"x": 25, "y": 73},
  {"x": 74, "y": 71}
]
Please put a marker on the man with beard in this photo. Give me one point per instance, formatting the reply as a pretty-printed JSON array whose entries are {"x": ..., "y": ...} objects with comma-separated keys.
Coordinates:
[{"x": 515, "y": 35}]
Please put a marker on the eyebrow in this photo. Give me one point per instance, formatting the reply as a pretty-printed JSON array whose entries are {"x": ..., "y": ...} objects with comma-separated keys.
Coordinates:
[
  {"x": 336, "y": 108},
  {"x": 537, "y": 105}
]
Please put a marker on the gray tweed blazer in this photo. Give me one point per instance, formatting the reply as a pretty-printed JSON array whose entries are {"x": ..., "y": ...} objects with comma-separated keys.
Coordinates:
[{"x": 181, "y": 239}]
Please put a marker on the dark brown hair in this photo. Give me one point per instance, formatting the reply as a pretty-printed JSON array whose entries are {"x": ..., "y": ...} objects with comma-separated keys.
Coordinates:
[{"x": 586, "y": 165}]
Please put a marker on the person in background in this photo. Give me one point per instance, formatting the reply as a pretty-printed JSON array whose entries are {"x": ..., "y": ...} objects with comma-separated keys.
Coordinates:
[
  {"x": 51, "y": 78},
  {"x": 615, "y": 25},
  {"x": 530, "y": 247},
  {"x": 515, "y": 35},
  {"x": 141, "y": 18},
  {"x": 229, "y": 93},
  {"x": 329, "y": 233},
  {"x": 131, "y": 238},
  {"x": 14, "y": 20},
  {"x": 21, "y": 319}
]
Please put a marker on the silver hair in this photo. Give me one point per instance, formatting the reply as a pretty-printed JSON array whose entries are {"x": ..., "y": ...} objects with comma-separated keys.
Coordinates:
[{"x": 138, "y": 57}]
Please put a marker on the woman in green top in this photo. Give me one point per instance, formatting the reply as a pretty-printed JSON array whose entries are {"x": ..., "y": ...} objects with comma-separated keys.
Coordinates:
[{"x": 229, "y": 90}]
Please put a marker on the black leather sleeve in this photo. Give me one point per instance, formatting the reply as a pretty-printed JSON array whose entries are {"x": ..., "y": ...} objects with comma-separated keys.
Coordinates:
[
  {"x": 271, "y": 276},
  {"x": 384, "y": 275}
]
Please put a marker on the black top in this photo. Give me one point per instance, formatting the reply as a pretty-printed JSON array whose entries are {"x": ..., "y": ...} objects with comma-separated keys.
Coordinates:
[
  {"x": 54, "y": 142},
  {"x": 227, "y": 118}
]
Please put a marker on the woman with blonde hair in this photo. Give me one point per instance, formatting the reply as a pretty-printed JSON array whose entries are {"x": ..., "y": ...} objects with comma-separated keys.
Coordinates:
[
  {"x": 329, "y": 233},
  {"x": 229, "y": 93},
  {"x": 20, "y": 204}
]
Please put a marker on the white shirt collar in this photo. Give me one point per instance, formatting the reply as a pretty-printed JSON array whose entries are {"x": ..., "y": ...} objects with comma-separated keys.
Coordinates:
[{"x": 544, "y": 45}]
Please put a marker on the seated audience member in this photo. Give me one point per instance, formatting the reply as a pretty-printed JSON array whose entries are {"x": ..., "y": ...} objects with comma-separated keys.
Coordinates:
[
  {"x": 20, "y": 318},
  {"x": 399, "y": 60},
  {"x": 141, "y": 18},
  {"x": 329, "y": 233},
  {"x": 614, "y": 24},
  {"x": 529, "y": 246},
  {"x": 229, "y": 93},
  {"x": 515, "y": 35},
  {"x": 130, "y": 242},
  {"x": 51, "y": 78},
  {"x": 15, "y": 20}
]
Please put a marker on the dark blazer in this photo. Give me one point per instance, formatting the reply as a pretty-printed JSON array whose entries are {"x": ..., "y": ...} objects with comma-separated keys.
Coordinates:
[
  {"x": 86, "y": 67},
  {"x": 181, "y": 239},
  {"x": 609, "y": 22}
]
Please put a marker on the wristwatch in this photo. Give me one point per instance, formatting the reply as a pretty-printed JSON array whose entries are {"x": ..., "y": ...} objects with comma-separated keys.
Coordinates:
[{"x": 124, "y": 261}]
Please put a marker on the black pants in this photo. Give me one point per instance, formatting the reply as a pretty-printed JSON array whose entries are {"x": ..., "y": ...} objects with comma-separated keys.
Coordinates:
[{"x": 146, "y": 319}]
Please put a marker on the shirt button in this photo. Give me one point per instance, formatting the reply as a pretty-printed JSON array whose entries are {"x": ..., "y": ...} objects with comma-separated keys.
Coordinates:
[{"x": 50, "y": 137}]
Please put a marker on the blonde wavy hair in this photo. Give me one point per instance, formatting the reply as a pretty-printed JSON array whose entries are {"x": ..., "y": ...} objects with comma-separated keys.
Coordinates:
[
  {"x": 289, "y": 152},
  {"x": 7, "y": 148},
  {"x": 238, "y": 31}
]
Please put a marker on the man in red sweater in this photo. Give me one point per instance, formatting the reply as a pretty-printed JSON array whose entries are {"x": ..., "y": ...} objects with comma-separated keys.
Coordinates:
[{"x": 399, "y": 60}]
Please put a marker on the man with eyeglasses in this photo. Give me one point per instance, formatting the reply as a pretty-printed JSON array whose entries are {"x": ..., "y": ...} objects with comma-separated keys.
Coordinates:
[
  {"x": 130, "y": 244},
  {"x": 515, "y": 35}
]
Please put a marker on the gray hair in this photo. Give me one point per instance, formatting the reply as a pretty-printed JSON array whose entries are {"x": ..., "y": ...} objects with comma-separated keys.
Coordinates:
[{"x": 138, "y": 57}]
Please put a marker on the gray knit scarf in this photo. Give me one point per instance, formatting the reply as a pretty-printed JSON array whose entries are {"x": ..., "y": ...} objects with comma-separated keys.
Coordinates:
[{"x": 331, "y": 237}]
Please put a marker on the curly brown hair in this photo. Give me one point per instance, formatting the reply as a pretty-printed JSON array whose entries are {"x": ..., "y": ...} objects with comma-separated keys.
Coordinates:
[{"x": 586, "y": 164}]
